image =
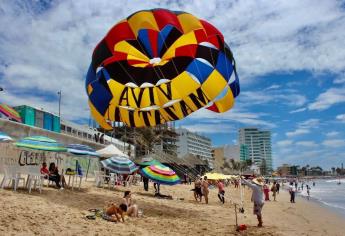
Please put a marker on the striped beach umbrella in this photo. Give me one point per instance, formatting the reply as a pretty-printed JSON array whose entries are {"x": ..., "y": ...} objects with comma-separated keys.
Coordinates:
[
  {"x": 80, "y": 149},
  {"x": 10, "y": 112},
  {"x": 161, "y": 174},
  {"x": 41, "y": 143},
  {"x": 4, "y": 137},
  {"x": 119, "y": 165}
]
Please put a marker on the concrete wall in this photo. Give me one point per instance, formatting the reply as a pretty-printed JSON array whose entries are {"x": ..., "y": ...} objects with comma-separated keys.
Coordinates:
[{"x": 18, "y": 130}]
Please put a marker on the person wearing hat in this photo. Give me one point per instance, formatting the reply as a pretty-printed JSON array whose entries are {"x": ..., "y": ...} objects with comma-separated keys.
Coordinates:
[{"x": 257, "y": 196}]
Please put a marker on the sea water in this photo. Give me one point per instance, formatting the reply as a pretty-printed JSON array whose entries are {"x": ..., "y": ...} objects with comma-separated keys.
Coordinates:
[{"x": 327, "y": 192}]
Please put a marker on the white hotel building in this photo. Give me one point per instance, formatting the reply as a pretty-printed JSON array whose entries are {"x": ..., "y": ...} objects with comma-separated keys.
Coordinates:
[{"x": 194, "y": 143}]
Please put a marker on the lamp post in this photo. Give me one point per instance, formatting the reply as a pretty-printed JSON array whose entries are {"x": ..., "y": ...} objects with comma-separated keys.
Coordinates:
[{"x": 59, "y": 93}]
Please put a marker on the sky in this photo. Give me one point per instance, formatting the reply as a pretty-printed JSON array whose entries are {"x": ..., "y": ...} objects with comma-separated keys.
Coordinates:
[{"x": 290, "y": 57}]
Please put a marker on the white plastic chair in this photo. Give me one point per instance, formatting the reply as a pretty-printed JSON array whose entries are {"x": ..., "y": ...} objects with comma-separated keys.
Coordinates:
[
  {"x": 76, "y": 180},
  {"x": 34, "y": 177},
  {"x": 12, "y": 175},
  {"x": 129, "y": 180}
]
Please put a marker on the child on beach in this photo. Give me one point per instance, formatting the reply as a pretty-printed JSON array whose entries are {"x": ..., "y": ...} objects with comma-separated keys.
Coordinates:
[
  {"x": 257, "y": 197},
  {"x": 266, "y": 192}
]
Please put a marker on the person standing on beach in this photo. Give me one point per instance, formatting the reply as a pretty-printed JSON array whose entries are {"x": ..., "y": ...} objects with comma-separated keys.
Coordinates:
[
  {"x": 278, "y": 187},
  {"x": 197, "y": 188},
  {"x": 257, "y": 197},
  {"x": 205, "y": 190},
  {"x": 221, "y": 191},
  {"x": 292, "y": 192},
  {"x": 308, "y": 191},
  {"x": 274, "y": 190},
  {"x": 266, "y": 192}
]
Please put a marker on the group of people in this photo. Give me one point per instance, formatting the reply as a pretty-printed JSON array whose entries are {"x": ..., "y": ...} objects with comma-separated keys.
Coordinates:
[
  {"x": 52, "y": 173},
  {"x": 201, "y": 188}
]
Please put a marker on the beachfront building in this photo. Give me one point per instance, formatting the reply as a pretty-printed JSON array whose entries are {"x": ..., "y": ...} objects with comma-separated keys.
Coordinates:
[
  {"x": 244, "y": 152},
  {"x": 232, "y": 152},
  {"x": 259, "y": 147},
  {"x": 45, "y": 120},
  {"x": 194, "y": 143}
]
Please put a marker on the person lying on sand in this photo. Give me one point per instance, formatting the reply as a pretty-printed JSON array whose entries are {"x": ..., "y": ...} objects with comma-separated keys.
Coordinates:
[{"x": 113, "y": 212}]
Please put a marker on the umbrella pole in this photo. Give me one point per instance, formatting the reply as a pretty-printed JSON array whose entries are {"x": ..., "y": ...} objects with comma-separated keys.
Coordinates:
[
  {"x": 87, "y": 171},
  {"x": 236, "y": 217}
]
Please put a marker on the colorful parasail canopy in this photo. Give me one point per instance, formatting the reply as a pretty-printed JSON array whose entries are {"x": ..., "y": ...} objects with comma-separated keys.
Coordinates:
[
  {"x": 160, "y": 174},
  {"x": 4, "y": 137},
  {"x": 10, "y": 113},
  {"x": 119, "y": 165},
  {"x": 41, "y": 143},
  {"x": 158, "y": 66},
  {"x": 80, "y": 149}
]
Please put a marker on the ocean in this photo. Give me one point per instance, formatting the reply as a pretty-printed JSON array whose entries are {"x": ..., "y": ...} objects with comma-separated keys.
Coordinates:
[{"x": 327, "y": 192}]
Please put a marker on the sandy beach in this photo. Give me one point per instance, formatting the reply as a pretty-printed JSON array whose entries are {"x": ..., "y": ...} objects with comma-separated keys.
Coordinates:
[{"x": 57, "y": 212}]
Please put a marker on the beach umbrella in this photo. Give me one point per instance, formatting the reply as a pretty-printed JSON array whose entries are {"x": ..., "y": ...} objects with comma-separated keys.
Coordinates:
[
  {"x": 4, "y": 137},
  {"x": 41, "y": 143},
  {"x": 161, "y": 174},
  {"x": 10, "y": 112},
  {"x": 119, "y": 165},
  {"x": 82, "y": 150}
]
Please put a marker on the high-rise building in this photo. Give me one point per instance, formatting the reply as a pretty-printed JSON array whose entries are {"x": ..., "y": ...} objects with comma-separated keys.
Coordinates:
[
  {"x": 244, "y": 152},
  {"x": 194, "y": 143},
  {"x": 259, "y": 147}
]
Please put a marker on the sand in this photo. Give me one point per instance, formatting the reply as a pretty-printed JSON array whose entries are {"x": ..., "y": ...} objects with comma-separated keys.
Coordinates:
[{"x": 57, "y": 212}]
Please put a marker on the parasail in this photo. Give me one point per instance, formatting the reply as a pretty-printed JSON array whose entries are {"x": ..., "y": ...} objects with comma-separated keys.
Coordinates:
[{"x": 158, "y": 66}]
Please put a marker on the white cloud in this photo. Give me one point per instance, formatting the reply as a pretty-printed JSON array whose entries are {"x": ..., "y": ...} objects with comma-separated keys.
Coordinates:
[
  {"x": 284, "y": 143},
  {"x": 308, "y": 144},
  {"x": 274, "y": 86},
  {"x": 297, "y": 132},
  {"x": 287, "y": 97},
  {"x": 327, "y": 99},
  {"x": 341, "y": 118},
  {"x": 334, "y": 143},
  {"x": 310, "y": 123},
  {"x": 332, "y": 134},
  {"x": 298, "y": 110},
  {"x": 46, "y": 50}
]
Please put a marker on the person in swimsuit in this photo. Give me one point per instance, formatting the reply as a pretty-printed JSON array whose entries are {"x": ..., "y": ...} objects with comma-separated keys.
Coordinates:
[
  {"x": 205, "y": 189},
  {"x": 221, "y": 191},
  {"x": 197, "y": 188},
  {"x": 113, "y": 212},
  {"x": 132, "y": 209}
]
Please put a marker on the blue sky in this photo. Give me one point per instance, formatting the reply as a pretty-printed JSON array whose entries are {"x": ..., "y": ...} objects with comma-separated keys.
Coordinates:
[{"x": 290, "y": 57}]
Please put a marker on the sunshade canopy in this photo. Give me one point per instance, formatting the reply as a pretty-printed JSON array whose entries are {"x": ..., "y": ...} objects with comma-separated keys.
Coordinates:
[
  {"x": 41, "y": 143},
  {"x": 215, "y": 176},
  {"x": 111, "y": 150}
]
